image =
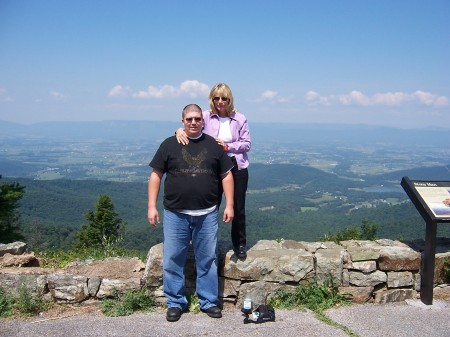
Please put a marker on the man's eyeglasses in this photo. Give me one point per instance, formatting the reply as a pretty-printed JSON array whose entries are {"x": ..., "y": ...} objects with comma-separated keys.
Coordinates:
[
  {"x": 216, "y": 99},
  {"x": 195, "y": 119}
]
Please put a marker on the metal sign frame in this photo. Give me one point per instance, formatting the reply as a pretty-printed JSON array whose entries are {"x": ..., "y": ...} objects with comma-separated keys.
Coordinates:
[{"x": 432, "y": 200}]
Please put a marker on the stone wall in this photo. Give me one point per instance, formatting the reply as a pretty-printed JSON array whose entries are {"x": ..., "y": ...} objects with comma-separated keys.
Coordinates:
[{"x": 371, "y": 271}]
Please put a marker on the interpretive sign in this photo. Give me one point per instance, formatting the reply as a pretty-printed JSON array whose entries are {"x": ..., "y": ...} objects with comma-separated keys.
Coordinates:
[
  {"x": 431, "y": 197},
  {"x": 432, "y": 200}
]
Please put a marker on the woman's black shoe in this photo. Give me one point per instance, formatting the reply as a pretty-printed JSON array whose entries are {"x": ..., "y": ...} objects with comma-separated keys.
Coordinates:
[{"x": 241, "y": 252}]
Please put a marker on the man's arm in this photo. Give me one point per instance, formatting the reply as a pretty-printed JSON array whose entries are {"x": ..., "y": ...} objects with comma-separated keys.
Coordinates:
[
  {"x": 154, "y": 183},
  {"x": 228, "y": 190}
]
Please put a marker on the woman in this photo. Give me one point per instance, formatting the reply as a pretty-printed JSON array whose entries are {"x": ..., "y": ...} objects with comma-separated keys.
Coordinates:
[{"x": 230, "y": 129}]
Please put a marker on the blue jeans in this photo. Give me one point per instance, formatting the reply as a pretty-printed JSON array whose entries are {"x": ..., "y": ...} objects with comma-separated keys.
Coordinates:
[{"x": 179, "y": 229}]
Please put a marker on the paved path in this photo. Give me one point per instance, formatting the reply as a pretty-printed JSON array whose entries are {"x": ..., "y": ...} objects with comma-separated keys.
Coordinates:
[{"x": 411, "y": 318}]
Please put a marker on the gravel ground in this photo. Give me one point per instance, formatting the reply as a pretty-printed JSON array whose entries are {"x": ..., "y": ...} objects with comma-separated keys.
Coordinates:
[
  {"x": 288, "y": 323},
  {"x": 410, "y": 318}
]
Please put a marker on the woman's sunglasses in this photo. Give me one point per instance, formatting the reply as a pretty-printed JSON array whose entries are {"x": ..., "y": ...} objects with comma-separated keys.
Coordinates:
[{"x": 216, "y": 99}]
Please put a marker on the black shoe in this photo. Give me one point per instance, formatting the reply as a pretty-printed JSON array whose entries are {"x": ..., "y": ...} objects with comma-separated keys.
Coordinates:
[
  {"x": 173, "y": 314},
  {"x": 241, "y": 252},
  {"x": 213, "y": 312}
]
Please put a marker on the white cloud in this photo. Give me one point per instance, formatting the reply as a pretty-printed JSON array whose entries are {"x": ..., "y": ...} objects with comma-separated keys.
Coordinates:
[
  {"x": 431, "y": 99},
  {"x": 314, "y": 98},
  {"x": 154, "y": 92},
  {"x": 391, "y": 98},
  {"x": 57, "y": 95},
  {"x": 119, "y": 90},
  {"x": 271, "y": 96},
  {"x": 194, "y": 88},
  {"x": 356, "y": 97},
  {"x": 189, "y": 88}
]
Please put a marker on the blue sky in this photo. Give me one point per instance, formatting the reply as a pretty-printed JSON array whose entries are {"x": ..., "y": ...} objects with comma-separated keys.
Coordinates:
[{"x": 381, "y": 62}]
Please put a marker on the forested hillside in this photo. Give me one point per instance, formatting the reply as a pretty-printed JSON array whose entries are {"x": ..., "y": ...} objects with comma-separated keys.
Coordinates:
[{"x": 284, "y": 201}]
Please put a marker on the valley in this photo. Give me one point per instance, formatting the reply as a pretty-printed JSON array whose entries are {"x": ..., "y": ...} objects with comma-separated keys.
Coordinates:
[{"x": 305, "y": 181}]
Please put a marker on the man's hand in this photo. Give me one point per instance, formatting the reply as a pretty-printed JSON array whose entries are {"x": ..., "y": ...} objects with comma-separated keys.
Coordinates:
[
  {"x": 228, "y": 190},
  {"x": 154, "y": 182},
  {"x": 228, "y": 214},
  {"x": 153, "y": 216}
]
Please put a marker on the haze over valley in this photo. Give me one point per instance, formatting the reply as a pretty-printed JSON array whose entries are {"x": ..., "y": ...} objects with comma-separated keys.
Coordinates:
[{"x": 306, "y": 180}]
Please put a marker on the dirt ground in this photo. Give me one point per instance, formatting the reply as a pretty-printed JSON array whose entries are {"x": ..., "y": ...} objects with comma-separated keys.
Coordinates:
[{"x": 59, "y": 311}]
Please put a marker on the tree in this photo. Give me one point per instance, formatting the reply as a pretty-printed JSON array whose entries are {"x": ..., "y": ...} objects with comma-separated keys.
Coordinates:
[
  {"x": 105, "y": 228},
  {"x": 10, "y": 194},
  {"x": 369, "y": 230}
]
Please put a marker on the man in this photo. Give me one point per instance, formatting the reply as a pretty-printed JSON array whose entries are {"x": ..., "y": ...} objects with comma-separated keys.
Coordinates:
[{"x": 191, "y": 195}]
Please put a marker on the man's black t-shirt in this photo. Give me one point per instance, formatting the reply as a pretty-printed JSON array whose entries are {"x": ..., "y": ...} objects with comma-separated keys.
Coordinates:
[{"x": 192, "y": 172}]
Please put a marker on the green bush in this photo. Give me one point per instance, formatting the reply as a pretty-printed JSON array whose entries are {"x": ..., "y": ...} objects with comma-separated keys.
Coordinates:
[
  {"x": 6, "y": 304},
  {"x": 316, "y": 297},
  {"x": 367, "y": 231},
  {"x": 27, "y": 304},
  {"x": 24, "y": 304},
  {"x": 193, "y": 303},
  {"x": 446, "y": 269},
  {"x": 124, "y": 304}
]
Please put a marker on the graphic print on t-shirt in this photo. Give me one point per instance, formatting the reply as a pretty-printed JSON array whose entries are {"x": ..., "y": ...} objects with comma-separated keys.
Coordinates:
[{"x": 195, "y": 163}]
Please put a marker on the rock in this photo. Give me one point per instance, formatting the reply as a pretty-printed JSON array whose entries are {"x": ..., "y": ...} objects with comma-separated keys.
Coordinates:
[
  {"x": 358, "y": 294},
  {"x": 362, "y": 250},
  {"x": 229, "y": 288},
  {"x": 14, "y": 248},
  {"x": 396, "y": 279},
  {"x": 273, "y": 264},
  {"x": 398, "y": 258},
  {"x": 94, "y": 285},
  {"x": 442, "y": 292},
  {"x": 260, "y": 292},
  {"x": 440, "y": 275},
  {"x": 34, "y": 281},
  {"x": 153, "y": 268},
  {"x": 367, "y": 280},
  {"x": 24, "y": 260},
  {"x": 364, "y": 266},
  {"x": 112, "y": 268},
  {"x": 329, "y": 264},
  {"x": 68, "y": 288},
  {"x": 394, "y": 295},
  {"x": 108, "y": 287}
]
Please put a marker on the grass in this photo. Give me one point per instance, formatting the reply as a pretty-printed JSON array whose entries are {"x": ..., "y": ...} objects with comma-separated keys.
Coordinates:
[
  {"x": 124, "y": 304},
  {"x": 315, "y": 297},
  {"x": 6, "y": 304},
  {"x": 24, "y": 303}
]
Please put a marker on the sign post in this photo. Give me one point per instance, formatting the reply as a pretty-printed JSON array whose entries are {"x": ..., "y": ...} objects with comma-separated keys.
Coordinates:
[{"x": 432, "y": 200}]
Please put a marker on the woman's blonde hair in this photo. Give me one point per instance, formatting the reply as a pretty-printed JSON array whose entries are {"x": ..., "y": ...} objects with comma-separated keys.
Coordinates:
[{"x": 221, "y": 90}]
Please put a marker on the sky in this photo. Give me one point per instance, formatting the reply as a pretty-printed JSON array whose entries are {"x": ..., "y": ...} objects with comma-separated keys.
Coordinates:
[{"x": 374, "y": 62}]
